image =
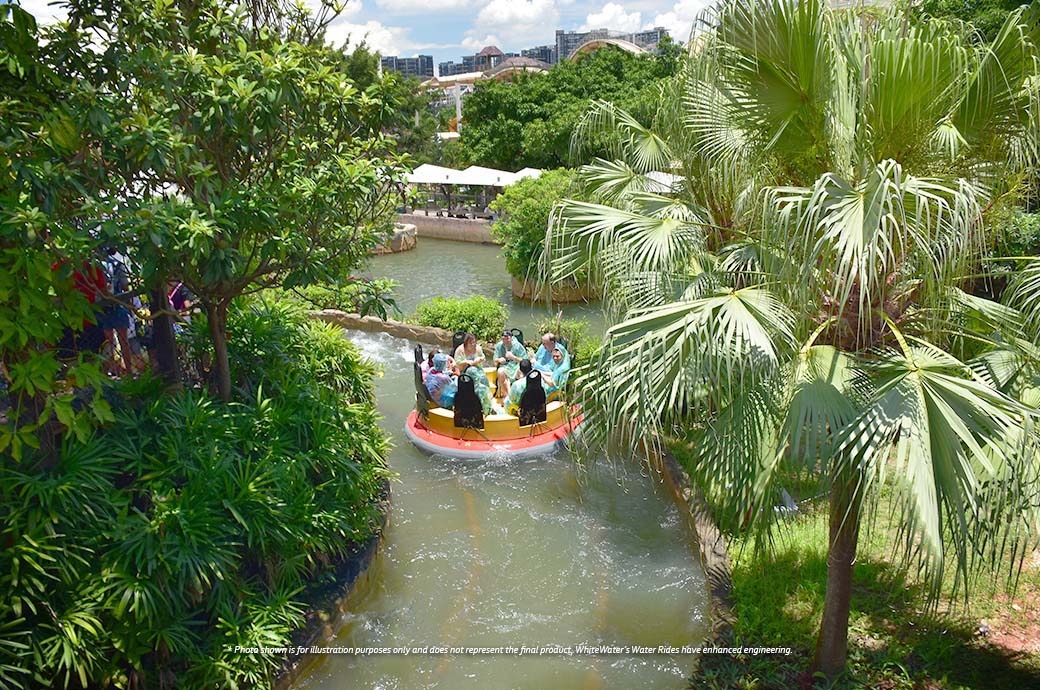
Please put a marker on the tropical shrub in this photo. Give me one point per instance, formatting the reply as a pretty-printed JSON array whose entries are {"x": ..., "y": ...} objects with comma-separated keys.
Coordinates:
[
  {"x": 149, "y": 554},
  {"x": 525, "y": 207},
  {"x": 479, "y": 315},
  {"x": 986, "y": 16},
  {"x": 575, "y": 332},
  {"x": 528, "y": 121}
]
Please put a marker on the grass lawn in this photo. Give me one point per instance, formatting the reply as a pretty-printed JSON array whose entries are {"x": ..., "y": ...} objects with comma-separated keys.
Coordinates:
[{"x": 896, "y": 640}]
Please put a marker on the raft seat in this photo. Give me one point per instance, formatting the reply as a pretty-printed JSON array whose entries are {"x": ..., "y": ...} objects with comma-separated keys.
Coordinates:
[{"x": 497, "y": 427}]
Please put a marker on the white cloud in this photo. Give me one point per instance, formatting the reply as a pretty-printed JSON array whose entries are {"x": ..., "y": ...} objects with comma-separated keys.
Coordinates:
[
  {"x": 388, "y": 40},
  {"x": 352, "y": 8},
  {"x": 43, "y": 11},
  {"x": 613, "y": 16},
  {"x": 679, "y": 20},
  {"x": 522, "y": 22},
  {"x": 474, "y": 44}
]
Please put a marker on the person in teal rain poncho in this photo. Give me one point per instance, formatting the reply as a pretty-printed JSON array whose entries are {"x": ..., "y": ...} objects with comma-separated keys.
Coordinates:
[
  {"x": 516, "y": 391},
  {"x": 508, "y": 354},
  {"x": 555, "y": 378},
  {"x": 481, "y": 386}
]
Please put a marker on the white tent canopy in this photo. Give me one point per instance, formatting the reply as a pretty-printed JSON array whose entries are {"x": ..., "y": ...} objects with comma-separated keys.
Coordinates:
[
  {"x": 487, "y": 177},
  {"x": 431, "y": 174},
  {"x": 528, "y": 172},
  {"x": 473, "y": 176}
]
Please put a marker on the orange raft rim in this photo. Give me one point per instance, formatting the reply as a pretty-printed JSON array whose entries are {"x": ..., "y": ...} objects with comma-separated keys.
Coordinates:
[{"x": 437, "y": 435}]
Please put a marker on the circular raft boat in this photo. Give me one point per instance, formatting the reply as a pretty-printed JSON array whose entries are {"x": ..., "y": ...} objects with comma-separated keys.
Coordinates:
[{"x": 539, "y": 427}]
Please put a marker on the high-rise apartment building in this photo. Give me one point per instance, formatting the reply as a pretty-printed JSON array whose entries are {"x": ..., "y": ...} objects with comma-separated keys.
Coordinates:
[
  {"x": 650, "y": 38},
  {"x": 546, "y": 54},
  {"x": 421, "y": 66}
]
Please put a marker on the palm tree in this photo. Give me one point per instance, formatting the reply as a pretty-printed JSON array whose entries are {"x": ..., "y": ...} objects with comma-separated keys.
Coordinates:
[{"x": 784, "y": 251}]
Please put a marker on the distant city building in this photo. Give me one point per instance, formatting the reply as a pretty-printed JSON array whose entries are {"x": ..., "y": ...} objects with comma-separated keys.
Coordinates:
[
  {"x": 650, "y": 38},
  {"x": 421, "y": 66},
  {"x": 449, "y": 68},
  {"x": 546, "y": 54},
  {"x": 569, "y": 41}
]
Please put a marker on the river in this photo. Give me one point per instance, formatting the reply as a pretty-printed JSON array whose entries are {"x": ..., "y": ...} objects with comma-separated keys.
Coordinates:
[{"x": 504, "y": 553}]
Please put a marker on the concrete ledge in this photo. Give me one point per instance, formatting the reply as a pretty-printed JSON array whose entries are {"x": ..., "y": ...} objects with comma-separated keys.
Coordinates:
[
  {"x": 373, "y": 324},
  {"x": 562, "y": 293},
  {"x": 428, "y": 335},
  {"x": 445, "y": 228},
  {"x": 712, "y": 546}
]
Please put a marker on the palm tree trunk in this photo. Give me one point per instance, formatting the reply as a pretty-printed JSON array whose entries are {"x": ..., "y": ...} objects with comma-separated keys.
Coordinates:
[
  {"x": 832, "y": 643},
  {"x": 216, "y": 317}
]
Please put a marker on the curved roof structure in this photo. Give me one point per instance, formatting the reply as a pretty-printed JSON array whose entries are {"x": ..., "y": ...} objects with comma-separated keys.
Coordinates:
[
  {"x": 448, "y": 82},
  {"x": 597, "y": 43},
  {"x": 516, "y": 65}
]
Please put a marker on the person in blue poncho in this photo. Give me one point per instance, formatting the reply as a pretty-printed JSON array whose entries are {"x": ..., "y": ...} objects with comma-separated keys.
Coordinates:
[
  {"x": 516, "y": 391},
  {"x": 543, "y": 357},
  {"x": 555, "y": 378},
  {"x": 440, "y": 383},
  {"x": 508, "y": 354}
]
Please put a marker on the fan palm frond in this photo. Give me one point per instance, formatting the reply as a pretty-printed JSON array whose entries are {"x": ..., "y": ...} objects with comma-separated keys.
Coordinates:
[
  {"x": 641, "y": 147},
  {"x": 938, "y": 432},
  {"x": 659, "y": 234},
  {"x": 667, "y": 361}
]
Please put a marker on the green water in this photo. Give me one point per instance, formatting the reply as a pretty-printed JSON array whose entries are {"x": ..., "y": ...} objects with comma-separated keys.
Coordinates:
[
  {"x": 504, "y": 552},
  {"x": 460, "y": 269}
]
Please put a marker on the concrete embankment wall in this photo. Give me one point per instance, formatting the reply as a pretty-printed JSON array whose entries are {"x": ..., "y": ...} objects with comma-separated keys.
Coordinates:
[
  {"x": 711, "y": 544},
  {"x": 445, "y": 228}
]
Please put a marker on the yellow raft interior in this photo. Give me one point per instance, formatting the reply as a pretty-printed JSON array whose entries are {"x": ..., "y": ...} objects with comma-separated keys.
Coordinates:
[{"x": 497, "y": 427}]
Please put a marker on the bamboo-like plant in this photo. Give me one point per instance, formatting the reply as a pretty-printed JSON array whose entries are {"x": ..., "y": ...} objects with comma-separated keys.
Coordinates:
[{"x": 782, "y": 251}]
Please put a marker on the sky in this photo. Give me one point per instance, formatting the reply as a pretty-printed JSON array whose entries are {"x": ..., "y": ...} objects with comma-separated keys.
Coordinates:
[{"x": 448, "y": 29}]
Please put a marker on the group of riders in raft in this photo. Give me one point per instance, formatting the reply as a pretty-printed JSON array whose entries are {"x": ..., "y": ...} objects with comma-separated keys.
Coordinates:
[{"x": 515, "y": 369}]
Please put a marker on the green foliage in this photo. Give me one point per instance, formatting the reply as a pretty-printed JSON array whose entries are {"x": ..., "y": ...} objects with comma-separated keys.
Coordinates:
[
  {"x": 188, "y": 527},
  {"x": 793, "y": 293},
  {"x": 365, "y": 297},
  {"x": 481, "y": 316},
  {"x": 527, "y": 122},
  {"x": 49, "y": 169},
  {"x": 402, "y": 101},
  {"x": 525, "y": 208},
  {"x": 987, "y": 16},
  {"x": 1016, "y": 234},
  {"x": 1019, "y": 234},
  {"x": 283, "y": 175},
  {"x": 897, "y": 638},
  {"x": 574, "y": 333}
]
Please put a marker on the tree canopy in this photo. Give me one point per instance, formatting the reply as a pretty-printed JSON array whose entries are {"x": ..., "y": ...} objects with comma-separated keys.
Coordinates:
[
  {"x": 527, "y": 122},
  {"x": 224, "y": 155}
]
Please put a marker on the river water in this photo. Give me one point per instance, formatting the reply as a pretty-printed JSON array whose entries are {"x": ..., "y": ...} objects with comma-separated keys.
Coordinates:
[{"x": 501, "y": 552}]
